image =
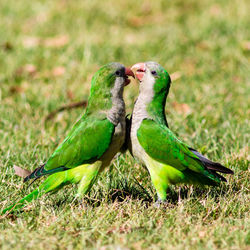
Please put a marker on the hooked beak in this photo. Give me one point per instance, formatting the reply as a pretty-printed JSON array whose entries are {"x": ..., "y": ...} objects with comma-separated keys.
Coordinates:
[
  {"x": 139, "y": 70},
  {"x": 128, "y": 72}
]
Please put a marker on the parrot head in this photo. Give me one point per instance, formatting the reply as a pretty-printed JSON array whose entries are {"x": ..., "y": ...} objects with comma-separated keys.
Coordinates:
[
  {"x": 108, "y": 83},
  {"x": 152, "y": 77},
  {"x": 111, "y": 74}
]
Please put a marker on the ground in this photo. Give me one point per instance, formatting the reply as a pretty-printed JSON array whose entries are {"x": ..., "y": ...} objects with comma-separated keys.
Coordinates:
[{"x": 49, "y": 51}]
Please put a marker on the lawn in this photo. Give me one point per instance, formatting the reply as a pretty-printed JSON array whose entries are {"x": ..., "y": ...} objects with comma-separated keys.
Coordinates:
[{"x": 49, "y": 50}]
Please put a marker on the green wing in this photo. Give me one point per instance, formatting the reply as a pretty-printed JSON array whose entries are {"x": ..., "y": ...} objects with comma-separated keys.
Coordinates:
[
  {"x": 86, "y": 143},
  {"x": 161, "y": 144}
]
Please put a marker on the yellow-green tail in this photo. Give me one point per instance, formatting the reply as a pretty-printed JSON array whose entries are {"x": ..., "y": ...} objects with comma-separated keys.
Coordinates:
[{"x": 85, "y": 174}]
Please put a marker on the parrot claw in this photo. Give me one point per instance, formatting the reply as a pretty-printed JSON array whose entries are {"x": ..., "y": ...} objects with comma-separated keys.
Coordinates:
[
  {"x": 81, "y": 203},
  {"x": 159, "y": 203}
]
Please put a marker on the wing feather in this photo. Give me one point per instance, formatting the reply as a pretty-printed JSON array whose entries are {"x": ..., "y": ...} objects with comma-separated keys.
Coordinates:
[
  {"x": 162, "y": 145},
  {"x": 87, "y": 142}
]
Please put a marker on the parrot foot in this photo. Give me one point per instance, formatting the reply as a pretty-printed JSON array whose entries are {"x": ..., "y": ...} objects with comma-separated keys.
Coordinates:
[
  {"x": 83, "y": 206},
  {"x": 159, "y": 203},
  {"x": 80, "y": 202}
]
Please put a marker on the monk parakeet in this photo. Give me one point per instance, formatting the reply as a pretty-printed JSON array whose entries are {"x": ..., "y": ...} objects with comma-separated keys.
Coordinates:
[
  {"x": 168, "y": 159},
  {"x": 92, "y": 142}
]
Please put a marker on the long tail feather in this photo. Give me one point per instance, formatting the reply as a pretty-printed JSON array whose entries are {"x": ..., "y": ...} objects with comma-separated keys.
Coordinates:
[
  {"x": 53, "y": 182},
  {"x": 85, "y": 174},
  {"x": 40, "y": 171},
  {"x": 197, "y": 178},
  {"x": 20, "y": 204},
  {"x": 219, "y": 176},
  {"x": 213, "y": 166}
]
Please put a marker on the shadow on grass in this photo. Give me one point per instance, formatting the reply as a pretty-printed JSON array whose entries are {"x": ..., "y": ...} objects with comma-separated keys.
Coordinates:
[{"x": 124, "y": 192}]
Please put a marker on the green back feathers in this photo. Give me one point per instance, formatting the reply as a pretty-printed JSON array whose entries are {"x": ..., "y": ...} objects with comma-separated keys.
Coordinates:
[
  {"x": 161, "y": 144},
  {"x": 86, "y": 144}
]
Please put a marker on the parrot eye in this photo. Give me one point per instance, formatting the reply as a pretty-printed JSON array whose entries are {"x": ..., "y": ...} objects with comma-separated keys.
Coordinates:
[
  {"x": 153, "y": 72},
  {"x": 118, "y": 73}
]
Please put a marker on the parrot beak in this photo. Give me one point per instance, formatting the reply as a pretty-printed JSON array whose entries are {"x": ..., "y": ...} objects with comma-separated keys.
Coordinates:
[
  {"x": 128, "y": 72},
  {"x": 139, "y": 70}
]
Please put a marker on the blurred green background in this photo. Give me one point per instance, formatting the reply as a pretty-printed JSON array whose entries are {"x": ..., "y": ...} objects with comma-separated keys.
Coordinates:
[{"x": 49, "y": 50}]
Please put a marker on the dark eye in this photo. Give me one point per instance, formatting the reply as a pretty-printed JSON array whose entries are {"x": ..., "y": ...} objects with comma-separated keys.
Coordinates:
[
  {"x": 118, "y": 73},
  {"x": 154, "y": 73}
]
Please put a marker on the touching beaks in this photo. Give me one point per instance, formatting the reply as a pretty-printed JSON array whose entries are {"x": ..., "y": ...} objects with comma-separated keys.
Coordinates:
[
  {"x": 139, "y": 70},
  {"x": 128, "y": 72}
]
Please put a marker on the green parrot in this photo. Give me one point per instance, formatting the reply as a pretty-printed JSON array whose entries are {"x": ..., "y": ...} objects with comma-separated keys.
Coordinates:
[
  {"x": 92, "y": 142},
  {"x": 168, "y": 160}
]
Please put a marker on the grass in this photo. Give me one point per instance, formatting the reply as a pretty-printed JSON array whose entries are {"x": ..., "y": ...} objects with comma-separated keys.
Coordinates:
[{"x": 48, "y": 52}]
